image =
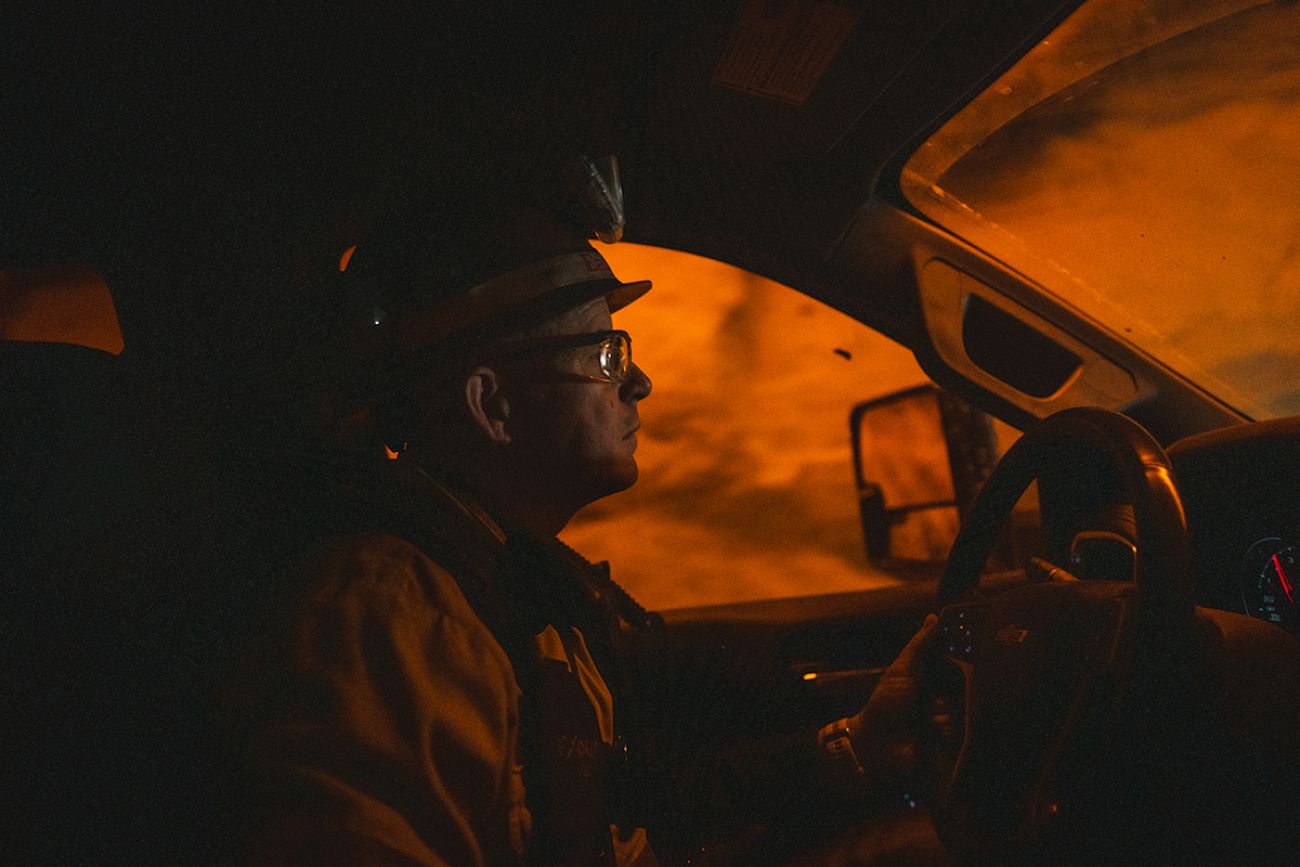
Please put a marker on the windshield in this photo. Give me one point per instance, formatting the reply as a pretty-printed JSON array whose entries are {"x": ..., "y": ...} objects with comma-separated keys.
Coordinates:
[{"x": 1142, "y": 163}]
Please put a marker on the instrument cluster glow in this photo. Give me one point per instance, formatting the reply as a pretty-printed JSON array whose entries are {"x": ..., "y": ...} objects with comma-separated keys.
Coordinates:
[{"x": 1270, "y": 576}]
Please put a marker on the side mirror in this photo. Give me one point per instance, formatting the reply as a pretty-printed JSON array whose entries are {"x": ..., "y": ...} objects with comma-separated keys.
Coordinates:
[{"x": 920, "y": 456}]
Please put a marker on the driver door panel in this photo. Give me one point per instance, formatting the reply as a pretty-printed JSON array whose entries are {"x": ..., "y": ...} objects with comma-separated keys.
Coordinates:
[{"x": 734, "y": 696}]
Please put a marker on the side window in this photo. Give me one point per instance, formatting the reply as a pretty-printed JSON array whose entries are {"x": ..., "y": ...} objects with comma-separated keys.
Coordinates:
[
  {"x": 746, "y": 488},
  {"x": 63, "y": 304}
]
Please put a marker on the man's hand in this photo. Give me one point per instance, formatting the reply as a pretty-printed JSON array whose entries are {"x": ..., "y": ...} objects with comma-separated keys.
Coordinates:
[{"x": 884, "y": 732}]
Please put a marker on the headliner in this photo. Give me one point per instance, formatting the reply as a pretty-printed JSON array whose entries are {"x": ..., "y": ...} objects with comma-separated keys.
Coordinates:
[{"x": 187, "y": 156}]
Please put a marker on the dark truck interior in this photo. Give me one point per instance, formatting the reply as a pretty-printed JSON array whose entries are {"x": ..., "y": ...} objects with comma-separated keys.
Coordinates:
[{"x": 201, "y": 159}]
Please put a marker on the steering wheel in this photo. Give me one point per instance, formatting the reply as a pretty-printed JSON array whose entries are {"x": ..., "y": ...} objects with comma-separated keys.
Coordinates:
[{"x": 1039, "y": 681}]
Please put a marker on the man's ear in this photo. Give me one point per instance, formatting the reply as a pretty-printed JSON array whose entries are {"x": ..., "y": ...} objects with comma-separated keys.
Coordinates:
[{"x": 487, "y": 404}]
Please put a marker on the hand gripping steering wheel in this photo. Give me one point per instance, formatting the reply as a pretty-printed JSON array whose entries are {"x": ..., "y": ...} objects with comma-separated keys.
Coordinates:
[{"x": 1040, "y": 682}]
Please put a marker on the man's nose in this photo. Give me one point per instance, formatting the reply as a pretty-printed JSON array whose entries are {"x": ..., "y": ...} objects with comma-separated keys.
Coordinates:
[{"x": 636, "y": 386}]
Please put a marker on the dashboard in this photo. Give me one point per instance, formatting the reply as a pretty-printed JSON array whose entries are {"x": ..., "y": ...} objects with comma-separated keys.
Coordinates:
[{"x": 1241, "y": 491}]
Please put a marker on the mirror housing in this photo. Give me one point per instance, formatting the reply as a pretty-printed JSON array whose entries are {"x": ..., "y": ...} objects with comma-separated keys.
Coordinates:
[{"x": 920, "y": 455}]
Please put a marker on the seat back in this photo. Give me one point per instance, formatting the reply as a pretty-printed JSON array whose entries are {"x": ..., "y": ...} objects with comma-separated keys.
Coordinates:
[{"x": 64, "y": 458}]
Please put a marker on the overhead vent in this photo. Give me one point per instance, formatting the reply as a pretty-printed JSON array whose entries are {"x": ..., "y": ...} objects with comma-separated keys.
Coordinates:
[{"x": 780, "y": 51}]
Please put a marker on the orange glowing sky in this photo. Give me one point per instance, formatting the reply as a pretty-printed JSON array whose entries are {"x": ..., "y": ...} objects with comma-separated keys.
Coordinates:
[{"x": 746, "y": 487}]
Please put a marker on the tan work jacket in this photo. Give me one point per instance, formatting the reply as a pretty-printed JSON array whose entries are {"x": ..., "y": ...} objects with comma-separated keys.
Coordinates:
[{"x": 403, "y": 742}]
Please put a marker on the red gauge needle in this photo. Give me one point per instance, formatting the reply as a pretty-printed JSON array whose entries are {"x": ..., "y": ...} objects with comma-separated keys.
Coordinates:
[{"x": 1281, "y": 574}]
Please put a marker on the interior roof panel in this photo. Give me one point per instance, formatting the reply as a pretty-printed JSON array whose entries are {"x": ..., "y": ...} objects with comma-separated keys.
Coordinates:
[{"x": 283, "y": 138}]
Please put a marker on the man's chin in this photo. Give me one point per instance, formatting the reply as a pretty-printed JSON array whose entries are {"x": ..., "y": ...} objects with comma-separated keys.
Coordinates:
[
  {"x": 617, "y": 477},
  {"x": 623, "y": 476},
  {"x": 588, "y": 484}
]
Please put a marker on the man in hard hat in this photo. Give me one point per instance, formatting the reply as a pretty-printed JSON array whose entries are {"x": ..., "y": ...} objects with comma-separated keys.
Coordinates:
[{"x": 446, "y": 685}]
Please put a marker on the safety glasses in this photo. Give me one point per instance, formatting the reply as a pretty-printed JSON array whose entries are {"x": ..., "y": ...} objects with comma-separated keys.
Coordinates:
[{"x": 601, "y": 356}]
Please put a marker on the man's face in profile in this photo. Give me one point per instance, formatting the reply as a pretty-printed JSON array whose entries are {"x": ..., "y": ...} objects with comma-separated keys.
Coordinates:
[{"x": 571, "y": 427}]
